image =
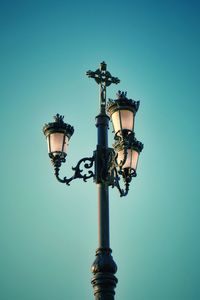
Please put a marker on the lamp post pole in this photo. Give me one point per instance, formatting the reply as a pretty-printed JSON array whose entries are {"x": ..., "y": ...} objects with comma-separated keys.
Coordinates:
[
  {"x": 110, "y": 166},
  {"x": 104, "y": 267}
]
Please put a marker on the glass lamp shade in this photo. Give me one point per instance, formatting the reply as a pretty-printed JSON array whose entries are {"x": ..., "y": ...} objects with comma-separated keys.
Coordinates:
[
  {"x": 57, "y": 143},
  {"x": 131, "y": 160},
  {"x": 128, "y": 153},
  {"x": 58, "y": 135},
  {"x": 123, "y": 120}
]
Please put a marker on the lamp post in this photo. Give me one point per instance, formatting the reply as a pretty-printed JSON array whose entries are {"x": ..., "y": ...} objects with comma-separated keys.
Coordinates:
[{"x": 111, "y": 166}]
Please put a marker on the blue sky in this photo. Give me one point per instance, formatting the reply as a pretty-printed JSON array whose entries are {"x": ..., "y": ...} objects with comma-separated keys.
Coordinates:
[{"x": 49, "y": 231}]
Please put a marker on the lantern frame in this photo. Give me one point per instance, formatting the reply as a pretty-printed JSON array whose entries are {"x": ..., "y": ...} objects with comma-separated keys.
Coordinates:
[
  {"x": 58, "y": 126},
  {"x": 132, "y": 144},
  {"x": 122, "y": 103}
]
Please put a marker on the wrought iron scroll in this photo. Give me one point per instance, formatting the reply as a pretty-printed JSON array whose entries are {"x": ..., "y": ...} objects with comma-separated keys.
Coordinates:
[
  {"x": 87, "y": 164},
  {"x": 109, "y": 170},
  {"x": 116, "y": 183},
  {"x": 126, "y": 175}
]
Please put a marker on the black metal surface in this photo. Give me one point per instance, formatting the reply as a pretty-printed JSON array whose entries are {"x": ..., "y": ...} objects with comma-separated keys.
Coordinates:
[
  {"x": 104, "y": 281},
  {"x": 107, "y": 172},
  {"x": 104, "y": 268},
  {"x": 87, "y": 164},
  {"x": 101, "y": 75},
  {"x": 122, "y": 102},
  {"x": 103, "y": 215},
  {"x": 58, "y": 126},
  {"x": 104, "y": 79}
]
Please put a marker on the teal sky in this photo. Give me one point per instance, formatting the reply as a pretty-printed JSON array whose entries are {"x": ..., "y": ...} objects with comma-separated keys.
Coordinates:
[{"x": 48, "y": 232}]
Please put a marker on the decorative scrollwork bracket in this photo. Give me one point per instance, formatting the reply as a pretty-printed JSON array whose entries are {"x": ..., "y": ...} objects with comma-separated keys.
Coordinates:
[
  {"x": 108, "y": 170},
  {"x": 104, "y": 164},
  {"x": 87, "y": 164}
]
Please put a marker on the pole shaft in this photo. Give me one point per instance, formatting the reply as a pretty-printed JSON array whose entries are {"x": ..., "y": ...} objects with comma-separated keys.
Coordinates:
[
  {"x": 103, "y": 216},
  {"x": 104, "y": 267},
  {"x": 103, "y": 193}
]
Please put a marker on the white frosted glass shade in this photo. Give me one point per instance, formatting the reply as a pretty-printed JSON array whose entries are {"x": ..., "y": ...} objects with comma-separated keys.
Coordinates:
[
  {"x": 123, "y": 119},
  {"x": 57, "y": 143},
  {"x": 131, "y": 160}
]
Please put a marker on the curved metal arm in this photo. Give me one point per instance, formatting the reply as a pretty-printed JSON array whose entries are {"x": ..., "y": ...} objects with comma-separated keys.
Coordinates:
[
  {"x": 126, "y": 174},
  {"x": 123, "y": 192},
  {"x": 77, "y": 171}
]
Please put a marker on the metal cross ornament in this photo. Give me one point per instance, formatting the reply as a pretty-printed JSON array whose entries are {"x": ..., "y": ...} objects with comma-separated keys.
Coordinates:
[{"x": 104, "y": 78}]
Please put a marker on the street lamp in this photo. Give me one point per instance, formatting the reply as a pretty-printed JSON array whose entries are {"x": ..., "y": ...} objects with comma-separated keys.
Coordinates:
[
  {"x": 58, "y": 134},
  {"x": 122, "y": 112},
  {"x": 110, "y": 166}
]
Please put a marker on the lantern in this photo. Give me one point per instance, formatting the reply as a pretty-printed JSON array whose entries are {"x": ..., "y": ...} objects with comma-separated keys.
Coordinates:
[
  {"x": 58, "y": 135},
  {"x": 122, "y": 113},
  {"x": 128, "y": 154}
]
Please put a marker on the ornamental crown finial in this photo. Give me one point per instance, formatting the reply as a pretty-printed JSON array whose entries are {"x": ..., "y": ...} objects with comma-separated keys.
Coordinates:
[
  {"x": 121, "y": 94},
  {"x": 58, "y": 118}
]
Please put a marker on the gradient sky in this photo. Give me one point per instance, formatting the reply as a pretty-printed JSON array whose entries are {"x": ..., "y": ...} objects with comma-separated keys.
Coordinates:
[{"x": 48, "y": 232}]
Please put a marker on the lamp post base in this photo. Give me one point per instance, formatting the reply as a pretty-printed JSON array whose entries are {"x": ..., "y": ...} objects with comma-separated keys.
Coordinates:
[{"x": 104, "y": 281}]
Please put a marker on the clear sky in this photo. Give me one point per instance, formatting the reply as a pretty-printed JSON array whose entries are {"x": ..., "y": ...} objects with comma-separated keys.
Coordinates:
[{"x": 48, "y": 232}]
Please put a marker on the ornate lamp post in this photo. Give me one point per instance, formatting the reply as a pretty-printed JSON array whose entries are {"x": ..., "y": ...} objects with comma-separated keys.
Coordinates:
[{"x": 110, "y": 166}]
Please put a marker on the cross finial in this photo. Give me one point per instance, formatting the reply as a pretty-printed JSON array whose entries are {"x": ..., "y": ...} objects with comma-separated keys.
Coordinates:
[
  {"x": 103, "y": 66},
  {"x": 102, "y": 76}
]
